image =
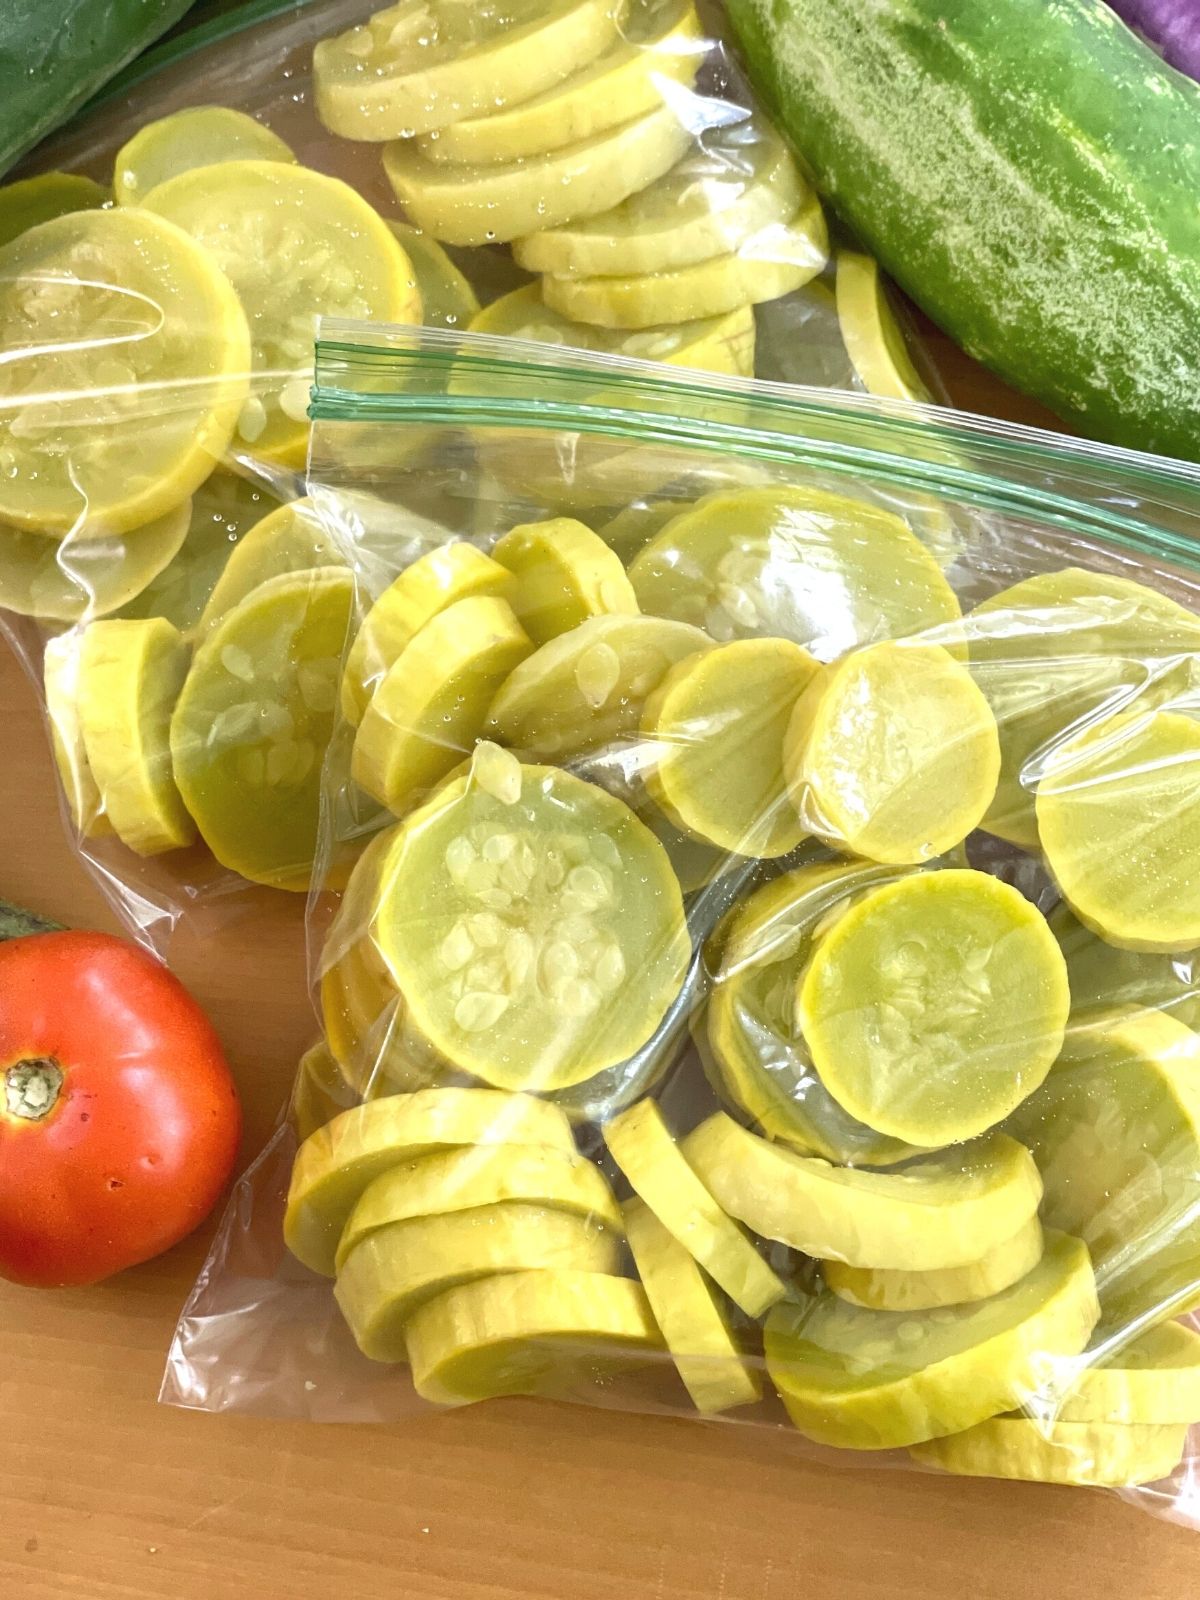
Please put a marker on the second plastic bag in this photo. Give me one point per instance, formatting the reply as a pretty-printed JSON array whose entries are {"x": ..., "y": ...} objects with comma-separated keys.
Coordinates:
[
  {"x": 755, "y": 953},
  {"x": 585, "y": 172}
]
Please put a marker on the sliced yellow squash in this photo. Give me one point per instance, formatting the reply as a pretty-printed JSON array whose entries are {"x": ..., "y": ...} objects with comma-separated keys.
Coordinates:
[
  {"x": 564, "y": 574},
  {"x": 632, "y": 529},
  {"x": 736, "y": 181},
  {"x": 368, "y": 1029},
  {"x": 1060, "y": 651},
  {"x": 253, "y": 723},
  {"x": 760, "y": 563},
  {"x": 1118, "y": 814},
  {"x": 690, "y": 1316},
  {"x": 712, "y": 344},
  {"x": 532, "y": 924},
  {"x": 482, "y": 204},
  {"x": 759, "y": 1060},
  {"x": 30, "y": 201},
  {"x": 1115, "y": 1131},
  {"x": 396, "y": 1270},
  {"x": 430, "y": 707},
  {"x": 198, "y": 136},
  {"x": 935, "y": 1005},
  {"x": 1152, "y": 1379},
  {"x": 717, "y": 724},
  {"x": 424, "y": 64},
  {"x": 69, "y": 579},
  {"x": 893, "y": 1289},
  {"x": 334, "y": 1165},
  {"x": 294, "y": 244},
  {"x": 659, "y": 42},
  {"x": 874, "y": 339},
  {"x": 939, "y": 1211},
  {"x": 363, "y": 1013},
  {"x": 130, "y": 675},
  {"x": 224, "y": 508},
  {"x": 132, "y": 351},
  {"x": 588, "y": 688},
  {"x": 597, "y": 472},
  {"x": 695, "y": 861},
  {"x": 434, "y": 582},
  {"x": 1094, "y": 1453},
  {"x": 459, "y": 1180},
  {"x": 774, "y": 261},
  {"x": 661, "y": 1174},
  {"x": 892, "y": 753},
  {"x": 60, "y": 682},
  {"x": 546, "y": 1332},
  {"x": 288, "y": 539},
  {"x": 319, "y": 1093},
  {"x": 875, "y": 1380},
  {"x": 447, "y": 299}
]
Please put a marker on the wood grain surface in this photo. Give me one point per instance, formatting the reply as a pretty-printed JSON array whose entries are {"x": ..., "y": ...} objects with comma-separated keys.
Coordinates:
[{"x": 105, "y": 1495}]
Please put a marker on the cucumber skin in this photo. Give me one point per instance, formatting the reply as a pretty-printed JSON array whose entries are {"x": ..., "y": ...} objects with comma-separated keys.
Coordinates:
[
  {"x": 1028, "y": 171},
  {"x": 55, "y": 54},
  {"x": 17, "y": 923}
]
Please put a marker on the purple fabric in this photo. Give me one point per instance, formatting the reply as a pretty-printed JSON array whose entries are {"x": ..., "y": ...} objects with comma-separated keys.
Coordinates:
[{"x": 1172, "y": 26}]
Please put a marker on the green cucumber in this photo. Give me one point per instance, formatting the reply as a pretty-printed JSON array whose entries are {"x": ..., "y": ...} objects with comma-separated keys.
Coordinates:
[
  {"x": 17, "y": 923},
  {"x": 53, "y": 57},
  {"x": 1027, "y": 171}
]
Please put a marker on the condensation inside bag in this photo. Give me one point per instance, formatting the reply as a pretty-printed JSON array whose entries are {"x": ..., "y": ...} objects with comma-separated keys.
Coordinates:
[
  {"x": 158, "y": 460},
  {"x": 930, "y": 679}
]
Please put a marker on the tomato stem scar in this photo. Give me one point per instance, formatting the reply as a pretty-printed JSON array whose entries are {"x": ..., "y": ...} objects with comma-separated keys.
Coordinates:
[{"x": 32, "y": 1088}]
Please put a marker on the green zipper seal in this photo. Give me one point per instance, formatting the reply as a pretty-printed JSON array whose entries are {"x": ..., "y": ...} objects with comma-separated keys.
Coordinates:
[
  {"x": 455, "y": 351},
  {"x": 776, "y": 425}
]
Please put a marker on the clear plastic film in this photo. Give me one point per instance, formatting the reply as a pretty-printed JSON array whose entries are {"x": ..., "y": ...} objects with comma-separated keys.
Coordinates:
[
  {"x": 754, "y": 942},
  {"x": 588, "y": 173}
]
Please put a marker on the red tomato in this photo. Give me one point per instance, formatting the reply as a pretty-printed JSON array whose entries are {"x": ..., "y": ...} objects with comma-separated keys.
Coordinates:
[{"x": 119, "y": 1120}]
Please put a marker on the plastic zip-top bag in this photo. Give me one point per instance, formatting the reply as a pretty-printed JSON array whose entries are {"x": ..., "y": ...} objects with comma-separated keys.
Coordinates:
[
  {"x": 754, "y": 941},
  {"x": 585, "y": 172}
]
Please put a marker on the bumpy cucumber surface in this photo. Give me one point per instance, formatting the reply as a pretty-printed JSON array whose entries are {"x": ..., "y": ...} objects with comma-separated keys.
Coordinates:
[{"x": 1027, "y": 172}]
